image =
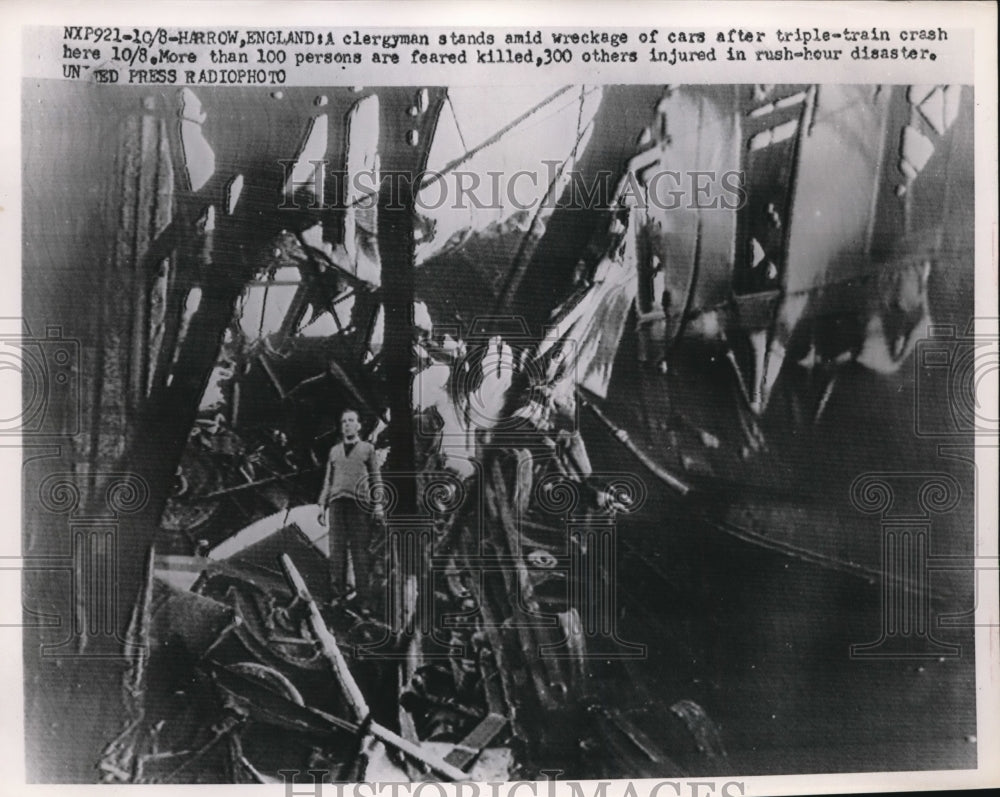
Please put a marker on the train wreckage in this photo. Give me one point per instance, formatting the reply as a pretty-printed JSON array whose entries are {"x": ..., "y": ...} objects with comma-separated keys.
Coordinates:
[{"x": 496, "y": 353}]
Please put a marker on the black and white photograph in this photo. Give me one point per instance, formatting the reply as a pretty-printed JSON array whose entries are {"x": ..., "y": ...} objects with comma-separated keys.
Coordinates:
[{"x": 591, "y": 429}]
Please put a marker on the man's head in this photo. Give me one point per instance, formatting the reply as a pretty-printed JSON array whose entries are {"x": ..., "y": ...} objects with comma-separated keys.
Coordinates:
[{"x": 350, "y": 424}]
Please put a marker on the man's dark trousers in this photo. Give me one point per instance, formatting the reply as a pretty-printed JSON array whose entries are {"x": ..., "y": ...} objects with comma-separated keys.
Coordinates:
[{"x": 349, "y": 530}]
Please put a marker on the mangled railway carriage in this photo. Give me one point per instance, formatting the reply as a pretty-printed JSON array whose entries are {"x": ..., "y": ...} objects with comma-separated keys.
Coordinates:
[
  {"x": 770, "y": 221},
  {"x": 326, "y": 294}
]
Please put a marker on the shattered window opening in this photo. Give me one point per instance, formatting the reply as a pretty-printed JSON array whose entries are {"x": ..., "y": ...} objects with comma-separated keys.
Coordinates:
[{"x": 265, "y": 303}]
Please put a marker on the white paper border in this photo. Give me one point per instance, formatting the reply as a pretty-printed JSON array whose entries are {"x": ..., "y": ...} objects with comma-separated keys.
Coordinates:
[{"x": 982, "y": 16}]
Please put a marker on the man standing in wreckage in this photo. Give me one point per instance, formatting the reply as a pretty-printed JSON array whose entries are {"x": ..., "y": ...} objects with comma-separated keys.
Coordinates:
[{"x": 352, "y": 474}]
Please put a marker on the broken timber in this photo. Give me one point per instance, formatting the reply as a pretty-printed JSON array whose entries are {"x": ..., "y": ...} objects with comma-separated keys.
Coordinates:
[{"x": 356, "y": 700}]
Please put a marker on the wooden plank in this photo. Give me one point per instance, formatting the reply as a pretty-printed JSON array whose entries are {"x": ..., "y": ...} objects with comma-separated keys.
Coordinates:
[
  {"x": 479, "y": 738},
  {"x": 352, "y": 691}
]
